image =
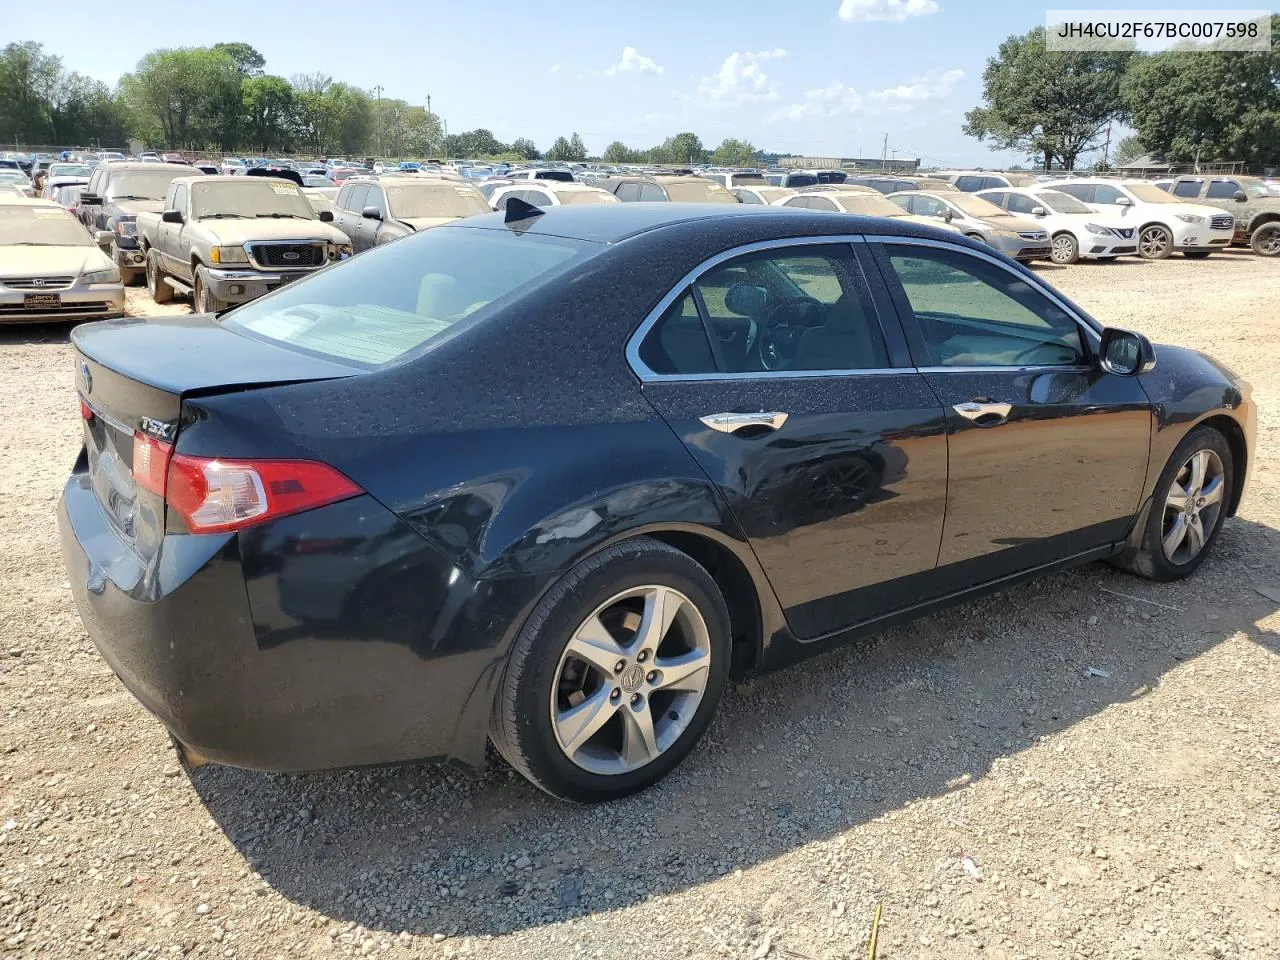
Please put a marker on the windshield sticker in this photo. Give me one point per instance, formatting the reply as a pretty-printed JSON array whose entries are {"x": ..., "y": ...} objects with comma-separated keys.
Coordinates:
[
  {"x": 285, "y": 189},
  {"x": 50, "y": 214}
]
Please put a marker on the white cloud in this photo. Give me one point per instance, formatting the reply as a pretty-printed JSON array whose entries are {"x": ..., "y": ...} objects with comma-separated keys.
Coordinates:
[
  {"x": 932, "y": 86},
  {"x": 740, "y": 79},
  {"x": 833, "y": 100},
  {"x": 555, "y": 68},
  {"x": 852, "y": 11},
  {"x": 633, "y": 61}
]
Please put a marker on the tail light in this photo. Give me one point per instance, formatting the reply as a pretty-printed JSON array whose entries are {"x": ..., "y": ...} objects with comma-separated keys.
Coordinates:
[{"x": 221, "y": 496}]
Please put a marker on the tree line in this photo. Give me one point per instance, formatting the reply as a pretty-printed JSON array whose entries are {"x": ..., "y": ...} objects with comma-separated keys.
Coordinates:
[
  {"x": 221, "y": 98},
  {"x": 1185, "y": 106}
]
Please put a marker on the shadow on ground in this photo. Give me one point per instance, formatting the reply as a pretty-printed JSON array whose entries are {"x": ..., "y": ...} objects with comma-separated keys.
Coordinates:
[
  {"x": 24, "y": 333},
  {"x": 793, "y": 757}
]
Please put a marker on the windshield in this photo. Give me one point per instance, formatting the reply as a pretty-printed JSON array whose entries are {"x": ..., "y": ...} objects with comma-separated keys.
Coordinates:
[
  {"x": 379, "y": 306},
  {"x": 707, "y": 192},
  {"x": 1150, "y": 193},
  {"x": 40, "y": 226},
  {"x": 1060, "y": 202},
  {"x": 871, "y": 205},
  {"x": 1260, "y": 188},
  {"x": 13, "y": 176},
  {"x": 975, "y": 206},
  {"x": 69, "y": 170},
  {"x": 249, "y": 197},
  {"x": 427, "y": 200},
  {"x": 569, "y": 197},
  {"x": 143, "y": 184}
]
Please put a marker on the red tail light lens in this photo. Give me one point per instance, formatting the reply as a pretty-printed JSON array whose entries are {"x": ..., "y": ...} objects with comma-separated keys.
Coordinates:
[
  {"x": 220, "y": 496},
  {"x": 150, "y": 462}
]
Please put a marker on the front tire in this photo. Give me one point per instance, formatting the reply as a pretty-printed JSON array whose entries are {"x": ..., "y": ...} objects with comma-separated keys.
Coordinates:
[
  {"x": 201, "y": 299},
  {"x": 160, "y": 291},
  {"x": 1065, "y": 250},
  {"x": 1155, "y": 242},
  {"x": 1188, "y": 507},
  {"x": 615, "y": 675},
  {"x": 1265, "y": 241}
]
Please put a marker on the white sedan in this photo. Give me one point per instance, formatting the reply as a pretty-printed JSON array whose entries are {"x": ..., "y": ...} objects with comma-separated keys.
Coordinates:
[{"x": 1076, "y": 231}]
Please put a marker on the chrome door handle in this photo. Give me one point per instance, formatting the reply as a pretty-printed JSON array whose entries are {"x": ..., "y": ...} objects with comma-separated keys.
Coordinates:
[
  {"x": 733, "y": 422},
  {"x": 984, "y": 410}
]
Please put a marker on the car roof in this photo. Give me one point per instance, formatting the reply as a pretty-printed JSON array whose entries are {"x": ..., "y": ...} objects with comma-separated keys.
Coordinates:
[
  {"x": 13, "y": 201},
  {"x": 851, "y": 191},
  {"x": 122, "y": 167},
  {"x": 614, "y": 223}
]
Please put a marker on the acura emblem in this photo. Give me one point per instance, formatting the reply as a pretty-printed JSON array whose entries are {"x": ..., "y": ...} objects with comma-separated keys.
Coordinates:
[
  {"x": 86, "y": 378},
  {"x": 290, "y": 255}
]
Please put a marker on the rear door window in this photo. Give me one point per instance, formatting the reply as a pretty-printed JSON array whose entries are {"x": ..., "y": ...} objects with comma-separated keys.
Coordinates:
[
  {"x": 1223, "y": 190},
  {"x": 1081, "y": 191},
  {"x": 1105, "y": 193},
  {"x": 968, "y": 183},
  {"x": 1187, "y": 188}
]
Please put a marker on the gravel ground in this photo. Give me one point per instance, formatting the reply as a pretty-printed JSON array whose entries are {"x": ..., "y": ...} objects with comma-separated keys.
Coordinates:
[{"x": 1134, "y": 814}]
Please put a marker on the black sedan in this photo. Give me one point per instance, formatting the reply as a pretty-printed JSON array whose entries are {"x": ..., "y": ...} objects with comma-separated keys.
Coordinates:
[{"x": 549, "y": 479}]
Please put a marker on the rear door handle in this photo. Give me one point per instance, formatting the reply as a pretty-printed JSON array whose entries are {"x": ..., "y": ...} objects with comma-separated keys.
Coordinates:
[
  {"x": 733, "y": 422},
  {"x": 985, "y": 413}
]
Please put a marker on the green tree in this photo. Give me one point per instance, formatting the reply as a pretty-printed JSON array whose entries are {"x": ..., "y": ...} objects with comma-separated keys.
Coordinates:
[
  {"x": 1050, "y": 104},
  {"x": 526, "y": 148},
  {"x": 422, "y": 133},
  {"x": 683, "y": 148},
  {"x": 619, "y": 152},
  {"x": 577, "y": 149},
  {"x": 28, "y": 77},
  {"x": 190, "y": 97},
  {"x": 734, "y": 153},
  {"x": 248, "y": 61},
  {"x": 268, "y": 111},
  {"x": 1218, "y": 106},
  {"x": 82, "y": 111},
  {"x": 1130, "y": 148}
]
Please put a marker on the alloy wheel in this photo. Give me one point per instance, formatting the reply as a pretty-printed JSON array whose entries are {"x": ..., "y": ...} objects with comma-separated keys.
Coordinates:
[
  {"x": 1269, "y": 243},
  {"x": 630, "y": 680},
  {"x": 1154, "y": 242},
  {"x": 1192, "y": 506}
]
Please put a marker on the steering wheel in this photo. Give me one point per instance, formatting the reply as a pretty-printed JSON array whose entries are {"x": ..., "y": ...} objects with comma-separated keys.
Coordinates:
[
  {"x": 780, "y": 332},
  {"x": 1028, "y": 356}
]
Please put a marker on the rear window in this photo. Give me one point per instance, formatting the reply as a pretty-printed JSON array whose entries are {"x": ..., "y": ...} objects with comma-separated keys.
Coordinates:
[{"x": 376, "y": 308}]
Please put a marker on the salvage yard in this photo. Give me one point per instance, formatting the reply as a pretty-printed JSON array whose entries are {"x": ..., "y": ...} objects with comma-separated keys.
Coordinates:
[{"x": 1085, "y": 766}]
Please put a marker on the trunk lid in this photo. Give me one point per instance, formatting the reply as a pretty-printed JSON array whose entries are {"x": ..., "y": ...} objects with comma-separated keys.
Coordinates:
[{"x": 132, "y": 375}]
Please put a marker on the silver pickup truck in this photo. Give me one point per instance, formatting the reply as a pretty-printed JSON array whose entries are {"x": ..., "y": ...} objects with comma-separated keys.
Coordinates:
[{"x": 226, "y": 240}]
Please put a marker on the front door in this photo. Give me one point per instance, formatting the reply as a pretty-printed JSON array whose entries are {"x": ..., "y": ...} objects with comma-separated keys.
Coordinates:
[
  {"x": 1048, "y": 451},
  {"x": 773, "y": 369}
]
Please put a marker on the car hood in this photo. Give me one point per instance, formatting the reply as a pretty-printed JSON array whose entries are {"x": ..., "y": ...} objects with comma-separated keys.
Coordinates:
[
  {"x": 1018, "y": 225},
  {"x": 229, "y": 232},
  {"x": 927, "y": 222},
  {"x": 131, "y": 208},
  {"x": 50, "y": 261},
  {"x": 423, "y": 223}
]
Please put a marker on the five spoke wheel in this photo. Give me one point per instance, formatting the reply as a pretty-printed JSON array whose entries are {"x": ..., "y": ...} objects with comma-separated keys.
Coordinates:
[
  {"x": 1191, "y": 509},
  {"x": 630, "y": 679}
]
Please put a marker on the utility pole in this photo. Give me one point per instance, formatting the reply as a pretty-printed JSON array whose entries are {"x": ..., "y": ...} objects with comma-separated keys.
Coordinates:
[
  {"x": 1106, "y": 149},
  {"x": 884, "y": 150},
  {"x": 378, "y": 118}
]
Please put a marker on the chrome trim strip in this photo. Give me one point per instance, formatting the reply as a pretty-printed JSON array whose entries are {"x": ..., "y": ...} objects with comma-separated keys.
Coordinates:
[
  {"x": 649, "y": 377},
  {"x": 1034, "y": 368},
  {"x": 633, "y": 343}
]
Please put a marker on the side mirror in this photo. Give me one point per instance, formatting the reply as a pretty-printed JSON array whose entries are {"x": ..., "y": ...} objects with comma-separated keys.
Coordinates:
[
  {"x": 1240, "y": 197},
  {"x": 103, "y": 238},
  {"x": 1125, "y": 353},
  {"x": 171, "y": 216},
  {"x": 89, "y": 199},
  {"x": 1124, "y": 202},
  {"x": 326, "y": 216},
  {"x": 1039, "y": 212},
  {"x": 948, "y": 216},
  {"x": 371, "y": 213}
]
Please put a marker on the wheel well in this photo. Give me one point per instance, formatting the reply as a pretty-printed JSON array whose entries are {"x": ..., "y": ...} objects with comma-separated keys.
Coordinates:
[
  {"x": 1155, "y": 223},
  {"x": 735, "y": 585},
  {"x": 1262, "y": 218},
  {"x": 1239, "y": 455},
  {"x": 1063, "y": 232}
]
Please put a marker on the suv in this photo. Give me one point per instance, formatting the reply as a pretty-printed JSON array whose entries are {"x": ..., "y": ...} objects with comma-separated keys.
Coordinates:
[
  {"x": 115, "y": 195},
  {"x": 1164, "y": 223},
  {"x": 894, "y": 184},
  {"x": 373, "y": 211},
  {"x": 227, "y": 240},
  {"x": 549, "y": 193},
  {"x": 1252, "y": 202},
  {"x": 689, "y": 189},
  {"x": 972, "y": 181}
]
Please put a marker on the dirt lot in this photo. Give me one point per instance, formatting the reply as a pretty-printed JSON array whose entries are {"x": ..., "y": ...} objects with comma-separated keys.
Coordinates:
[{"x": 1135, "y": 814}]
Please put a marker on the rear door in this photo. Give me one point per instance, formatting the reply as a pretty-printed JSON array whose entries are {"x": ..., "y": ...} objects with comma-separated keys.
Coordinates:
[
  {"x": 775, "y": 370},
  {"x": 1048, "y": 452}
]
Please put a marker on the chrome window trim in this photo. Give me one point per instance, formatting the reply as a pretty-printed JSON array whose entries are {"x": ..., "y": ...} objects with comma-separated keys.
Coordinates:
[
  {"x": 1091, "y": 333},
  {"x": 648, "y": 376}
]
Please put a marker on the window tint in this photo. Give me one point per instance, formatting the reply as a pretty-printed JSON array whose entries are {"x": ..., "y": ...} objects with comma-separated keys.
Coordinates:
[
  {"x": 375, "y": 199},
  {"x": 1105, "y": 193},
  {"x": 535, "y": 197},
  {"x": 1188, "y": 188},
  {"x": 355, "y": 200},
  {"x": 1000, "y": 199},
  {"x": 1081, "y": 191},
  {"x": 796, "y": 180},
  {"x": 795, "y": 309},
  {"x": 968, "y": 184},
  {"x": 989, "y": 183},
  {"x": 822, "y": 203},
  {"x": 180, "y": 198},
  {"x": 651, "y": 192},
  {"x": 1223, "y": 190},
  {"x": 928, "y": 207},
  {"x": 628, "y": 192},
  {"x": 971, "y": 313},
  {"x": 905, "y": 201},
  {"x": 1021, "y": 203},
  {"x": 747, "y": 196},
  {"x": 678, "y": 343}
]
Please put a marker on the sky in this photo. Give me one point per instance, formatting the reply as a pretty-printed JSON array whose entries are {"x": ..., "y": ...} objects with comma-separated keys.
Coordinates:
[{"x": 824, "y": 78}]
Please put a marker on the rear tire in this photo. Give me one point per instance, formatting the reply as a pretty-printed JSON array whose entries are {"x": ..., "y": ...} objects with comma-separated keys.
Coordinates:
[
  {"x": 1265, "y": 241},
  {"x": 541, "y": 723},
  {"x": 160, "y": 291},
  {"x": 1172, "y": 529},
  {"x": 202, "y": 301},
  {"x": 1155, "y": 242}
]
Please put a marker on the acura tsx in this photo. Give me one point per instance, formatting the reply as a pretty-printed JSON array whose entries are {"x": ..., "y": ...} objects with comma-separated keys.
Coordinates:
[{"x": 549, "y": 478}]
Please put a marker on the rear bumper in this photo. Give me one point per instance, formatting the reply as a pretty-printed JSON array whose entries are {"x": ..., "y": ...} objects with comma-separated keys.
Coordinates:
[
  {"x": 80, "y": 302},
  {"x": 333, "y": 638}
]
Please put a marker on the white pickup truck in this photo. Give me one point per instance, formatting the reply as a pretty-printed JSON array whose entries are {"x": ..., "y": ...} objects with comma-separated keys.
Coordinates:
[{"x": 224, "y": 240}]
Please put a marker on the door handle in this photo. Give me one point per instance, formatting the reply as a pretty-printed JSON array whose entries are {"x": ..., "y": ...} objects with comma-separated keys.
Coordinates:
[
  {"x": 733, "y": 422},
  {"x": 985, "y": 413}
]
